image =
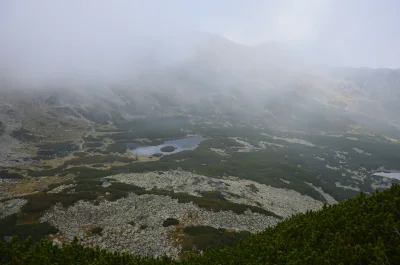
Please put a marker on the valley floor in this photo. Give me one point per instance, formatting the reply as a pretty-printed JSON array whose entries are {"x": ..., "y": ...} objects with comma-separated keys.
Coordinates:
[{"x": 236, "y": 182}]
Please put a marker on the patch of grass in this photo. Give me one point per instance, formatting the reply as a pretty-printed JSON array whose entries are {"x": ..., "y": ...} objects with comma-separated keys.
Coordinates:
[
  {"x": 220, "y": 143},
  {"x": 39, "y": 202},
  {"x": 93, "y": 144},
  {"x": 55, "y": 148},
  {"x": 58, "y": 146},
  {"x": 80, "y": 172},
  {"x": 79, "y": 154},
  {"x": 96, "y": 159},
  {"x": 9, "y": 226},
  {"x": 116, "y": 148},
  {"x": 126, "y": 187},
  {"x": 213, "y": 195},
  {"x": 88, "y": 173},
  {"x": 5, "y": 174}
]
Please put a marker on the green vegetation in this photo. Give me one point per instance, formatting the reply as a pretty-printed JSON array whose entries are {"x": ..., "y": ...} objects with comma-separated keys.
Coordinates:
[
  {"x": 117, "y": 148},
  {"x": 96, "y": 230},
  {"x": 220, "y": 143},
  {"x": 93, "y": 144},
  {"x": 213, "y": 195},
  {"x": 200, "y": 238},
  {"x": 263, "y": 167},
  {"x": 168, "y": 149},
  {"x": 361, "y": 230},
  {"x": 41, "y": 201},
  {"x": 24, "y": 135},
  {"x": 96, "y": 159},
  {"x": 170, "y": 221},
  {"x": 10, "y": 226},
  {"x": 58, "y": 146},
  {"x": 5, "y": 174},
  {"x": 91, "y": 138},
  {"x": 79, "y": 154},
  {"x": 81, "y": 172},
  {"x": 294, "y": 163},
  {"x": 47, "y": 150}
]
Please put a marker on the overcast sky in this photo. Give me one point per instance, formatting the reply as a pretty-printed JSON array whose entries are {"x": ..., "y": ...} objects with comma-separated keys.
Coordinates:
[{"x": 336, "y": 32}]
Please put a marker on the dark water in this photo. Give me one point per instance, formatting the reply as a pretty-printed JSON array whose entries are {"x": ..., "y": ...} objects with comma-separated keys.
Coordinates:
[{"x": 181, "y": 144}]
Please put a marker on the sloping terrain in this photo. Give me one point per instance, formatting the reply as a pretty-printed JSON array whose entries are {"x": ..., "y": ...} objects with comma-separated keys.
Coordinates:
[
  {"x": 362, "y": 230},
  {"x": 274, "y": 139},
  {"x": 221, "y": 80}
]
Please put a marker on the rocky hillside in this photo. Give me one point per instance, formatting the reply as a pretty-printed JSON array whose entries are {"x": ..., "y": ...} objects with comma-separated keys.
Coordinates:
[{"x": 362, "y": 230}]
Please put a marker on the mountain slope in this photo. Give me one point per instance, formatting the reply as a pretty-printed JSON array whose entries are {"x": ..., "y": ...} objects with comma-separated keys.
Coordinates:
[
  {"x": 217, "y": 81},
  {"x": 362, "y": 230},
  {"x": 221, "y": 77}
]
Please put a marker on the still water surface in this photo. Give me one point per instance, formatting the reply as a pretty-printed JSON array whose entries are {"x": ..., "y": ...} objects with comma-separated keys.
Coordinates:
[{"x": 181, "y": 144}]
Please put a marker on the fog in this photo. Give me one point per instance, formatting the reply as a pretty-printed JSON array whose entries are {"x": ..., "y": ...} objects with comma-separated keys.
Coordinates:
[{"x": 113, "y": 40}]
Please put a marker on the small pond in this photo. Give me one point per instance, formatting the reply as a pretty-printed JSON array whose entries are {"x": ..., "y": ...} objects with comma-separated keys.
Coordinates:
[
  {"x": 391, "y": 175},
  {"x": 181, "y": 144}
]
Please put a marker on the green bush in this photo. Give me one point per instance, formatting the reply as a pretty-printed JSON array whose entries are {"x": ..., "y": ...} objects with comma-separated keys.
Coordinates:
[
  {"x": 96, "y": 230},
  {"x": 170, "y": 221},
  {"x": 204, "y": 237}
]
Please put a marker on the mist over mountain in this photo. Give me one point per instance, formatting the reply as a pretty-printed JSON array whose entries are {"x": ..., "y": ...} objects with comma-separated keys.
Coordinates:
[
  {"x": 158, "y": 128},
  {"x": 207, "y": 74}
]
